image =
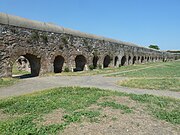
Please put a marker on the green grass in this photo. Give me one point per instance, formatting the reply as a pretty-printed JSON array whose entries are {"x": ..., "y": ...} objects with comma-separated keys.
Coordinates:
[
  {"x": 169, "y": 69},
  {"x": 7, "y": 82},
  {"x": 162, "y": 108},
  {"x": 114, "y": 105},
  {"x": 165, "y": 76},
  {"x": 15, "y": 71},
  {"x": 172, "y": 84},
  {"x": 75, "y": 101}
]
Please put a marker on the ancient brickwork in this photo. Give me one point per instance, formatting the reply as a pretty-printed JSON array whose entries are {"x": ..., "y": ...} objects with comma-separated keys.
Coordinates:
[{"x": 50, "y": 48}]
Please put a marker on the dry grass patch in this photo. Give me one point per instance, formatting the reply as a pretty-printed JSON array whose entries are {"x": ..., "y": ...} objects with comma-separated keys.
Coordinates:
[
  {"x": 3, "y": 116},
  {"x": 113, "y": 121},
  {"x": 55, "y": 117}
]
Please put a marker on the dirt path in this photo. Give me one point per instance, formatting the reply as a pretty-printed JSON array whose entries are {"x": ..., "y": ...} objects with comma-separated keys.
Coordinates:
[{"x": 30, "y": 85}]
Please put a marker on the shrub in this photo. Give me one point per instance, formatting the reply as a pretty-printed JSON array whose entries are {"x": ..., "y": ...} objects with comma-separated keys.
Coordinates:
[
  {"x": 64, "y": 40},
  {"x": 100, "y": 66},
  {"x": 33, "y": 38},
  {"x": 44, "y": 38},
  {"x": 66, "y": 69},
  {"x": 91, "y": 67}
]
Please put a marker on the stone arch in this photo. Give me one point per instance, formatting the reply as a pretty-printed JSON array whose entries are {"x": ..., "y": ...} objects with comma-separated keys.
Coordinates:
[
  {"x": 80, "y": 62},
  {"x": 34, "y": 62},
  {"x": 152, "y": 59},
  {"x": 95, "y": 60},
  {"x": 142, "y": 59},
  {"x": 148, "y": 59},
  {"x": 139, "y": 59},
  {"x": 58, "y": 64},
  {"x": 156, "y": 58},
  {"x": 134, "y": 60},
  {"x": 129, "y": 60},
  {"x": 116, "y": 61},
  {"x": 123, "y": 60},
  {"x": 106, "y": 61}
]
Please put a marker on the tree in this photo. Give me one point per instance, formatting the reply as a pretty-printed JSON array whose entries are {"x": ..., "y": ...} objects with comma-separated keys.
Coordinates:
[{"x": 154, "y": 47}]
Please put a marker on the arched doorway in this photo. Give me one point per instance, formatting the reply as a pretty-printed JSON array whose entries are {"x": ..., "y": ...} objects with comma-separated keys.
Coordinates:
[
  {"x": 152, "y": 59},
  {"x": 28, "y": 66},
  {"x": 142, "y": 59},
  {"x": 58, "y": 64},
  {"x": 129, "y": 60},
  {"x": 134, "y": 59},
  {"x": 116, "y": 61},
  {"x": 138, "y": 59},
  {"x": 147, "y": 59},
  {"x": 80, "y": 62},
  {"x": 123, "y": 60},
  {"x": 106, "y": 61},
  {"x": 95, "y": 60}
]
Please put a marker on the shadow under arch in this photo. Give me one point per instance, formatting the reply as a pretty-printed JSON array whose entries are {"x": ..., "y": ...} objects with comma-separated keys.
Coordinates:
[
  {"x": 129, "y": 60},
  {"x": 35, "y": 65},
  {"x": 106, "y": 61},
  {"x": 116, "y": 61},
  {"x": 142, "y": 59},
  {"x": 58, "y": 64},
  {"x": 80, "y": 62},
  {"x": 148, "y": 59},
  {"x": 134, "y": 60},
  {"x": 123, "y": 60},
  {"x": 95, "y": 60}
]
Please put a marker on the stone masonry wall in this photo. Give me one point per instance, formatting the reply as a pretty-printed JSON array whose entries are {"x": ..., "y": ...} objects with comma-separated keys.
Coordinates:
[{"x": 42, "y": 47}]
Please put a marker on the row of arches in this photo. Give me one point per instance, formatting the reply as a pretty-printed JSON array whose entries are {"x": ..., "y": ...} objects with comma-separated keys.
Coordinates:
[
  {"x": 128, "y": 60},
  {"x": 81, "y": 62},
  {"x": 34, "y": 63}
]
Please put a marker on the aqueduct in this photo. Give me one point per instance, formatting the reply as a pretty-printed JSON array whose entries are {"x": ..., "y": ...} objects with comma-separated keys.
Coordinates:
[{"x": 51, "y": 48}]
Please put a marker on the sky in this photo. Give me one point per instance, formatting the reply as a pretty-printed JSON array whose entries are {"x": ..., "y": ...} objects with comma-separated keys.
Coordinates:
[{"x": 143, "y": 22}]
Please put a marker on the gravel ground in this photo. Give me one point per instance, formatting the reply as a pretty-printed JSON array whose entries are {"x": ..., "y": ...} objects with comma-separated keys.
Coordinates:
[{"x": 30, "y": 85}]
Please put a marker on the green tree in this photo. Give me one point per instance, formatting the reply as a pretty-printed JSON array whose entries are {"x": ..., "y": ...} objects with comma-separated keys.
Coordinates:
[{"x": 154, "y": 47}]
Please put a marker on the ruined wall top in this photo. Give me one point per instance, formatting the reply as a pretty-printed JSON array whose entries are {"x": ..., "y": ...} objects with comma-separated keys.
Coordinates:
[{"x": 36, "y": 25}]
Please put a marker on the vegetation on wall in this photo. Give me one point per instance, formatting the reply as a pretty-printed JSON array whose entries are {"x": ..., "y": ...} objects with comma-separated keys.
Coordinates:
[
  {"x": 34, "y": 37},
  {"x": 154, "y": 47},
  {"x": 44, "y": 38}
]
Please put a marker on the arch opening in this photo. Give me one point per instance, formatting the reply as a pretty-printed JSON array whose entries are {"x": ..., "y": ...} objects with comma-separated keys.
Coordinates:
[
  {"x": 138, "y": 59},
  {"x": 147, "y": 59},
  {"x": 116, "y": 61},
  {"x": 134, "y": 59},
  {"x": 95, "y": 60},
  {"x": 152, "y": 59},
  {"x": 80, "y": 62},
  {"x": 129, "y": 60},
  {"x": 25, "y": 66},
  {"x": 106, "y": 61},
  {"x": 58, "y": 64},
  {"x": 142, "y": 59},
  {"x": 123, "y": 60}
]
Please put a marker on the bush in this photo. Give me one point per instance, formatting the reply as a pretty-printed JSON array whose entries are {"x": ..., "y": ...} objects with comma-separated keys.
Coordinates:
[
  {"x": 44, "y": 38},
  {"x": 91, "y": 67},
  {"x": 66, "y": 69},
  {"x": 100, "y": 66}
]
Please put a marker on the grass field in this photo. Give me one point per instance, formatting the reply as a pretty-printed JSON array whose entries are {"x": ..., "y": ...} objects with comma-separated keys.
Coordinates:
[
  {"x": 164, "y": 77},
  {"x": 169, "y": 69},
  {"x": 26, "y": 114},
  {"x": 171, "y": 84}
]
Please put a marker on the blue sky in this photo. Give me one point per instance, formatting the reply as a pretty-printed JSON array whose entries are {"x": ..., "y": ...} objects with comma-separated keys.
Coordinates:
[{"x": 142, "y": 22}]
